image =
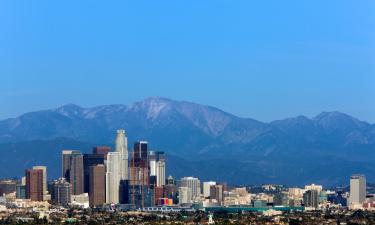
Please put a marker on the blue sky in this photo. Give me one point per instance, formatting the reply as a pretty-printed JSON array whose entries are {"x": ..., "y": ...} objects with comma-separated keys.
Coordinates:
[{"x": 260, "y": 59}]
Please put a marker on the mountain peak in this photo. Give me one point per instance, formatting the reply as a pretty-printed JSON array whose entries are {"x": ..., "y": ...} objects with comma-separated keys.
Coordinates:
[
  {"x": 156, "y": 99},
  {"x": 337, "y": 119},
  {"x": 69, "y": 110},
  {"x": 333, "y": 116},
  {"x": 152, "y": 106}
]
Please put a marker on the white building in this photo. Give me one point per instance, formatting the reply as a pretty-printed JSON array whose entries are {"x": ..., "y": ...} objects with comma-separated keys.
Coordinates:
[
  {"x": 184, "y": 195},
  {"x": 81, "y": 200},
  {"x": 113, "y": 177},
  {"x": 160, "y": 173},
  {"x": 157, "y": 167},
  {"x": 122, "y": 148},
  {"x": 206, "y": 188},
  {"x": 295, "y": 193},
  {"x": 194, "y": 184},
  {"x": 357, "y": 190}
]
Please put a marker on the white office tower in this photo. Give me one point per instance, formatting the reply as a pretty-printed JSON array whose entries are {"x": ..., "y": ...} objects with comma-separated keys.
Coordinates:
[
  {"x": 122, "y": 148},
  {"x": 207, "y": 188},
  {"x": 160, "y": 173},
  {"x": 45, "y": 191},
  {"x": 157, "y": 166},
  {"x": 357, "y": 190},
  {"x": 184, "y": 195},
  {"x": 152, "y": 162},
  {"x": 194, "y": 184},
  {"x": 113, "y": 177}
]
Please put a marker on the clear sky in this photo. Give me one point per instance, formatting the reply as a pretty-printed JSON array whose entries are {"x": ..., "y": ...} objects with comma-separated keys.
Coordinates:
[{"x": 260, "y": 59}]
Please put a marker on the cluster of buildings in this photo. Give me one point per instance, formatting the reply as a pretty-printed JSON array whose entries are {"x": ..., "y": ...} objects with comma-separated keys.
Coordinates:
[{"x": 106, "y": 178}]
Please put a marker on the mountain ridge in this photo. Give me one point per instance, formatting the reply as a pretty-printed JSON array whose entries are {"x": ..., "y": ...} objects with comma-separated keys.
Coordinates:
[{"x": 202, "y": 133}]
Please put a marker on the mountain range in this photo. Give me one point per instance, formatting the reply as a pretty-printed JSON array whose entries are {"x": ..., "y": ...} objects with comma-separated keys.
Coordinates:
[{"x": 199, "y": 140}]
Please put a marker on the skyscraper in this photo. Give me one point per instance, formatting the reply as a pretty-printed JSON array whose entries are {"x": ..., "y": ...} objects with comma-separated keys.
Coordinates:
[
  {"x": 61, "y": 192},
  {"x": 88, "y": 161},
  {"x": 139, "y": 169},
  {"x": 194, "y": 184},
  {"x": 357, "y": 189},
  {"x": 113, "y": 177},
  {"x": 45, "y": 191},
  {"x": 34, "y": 184},
  {"x": 76, "y": 173},
  {"x": 65, "y": 162},
  {"x": 157, "y": 167},
  {"x": 72, "y": 166},
  {"x": 122, "y": 148},
  {"x": 140, "y": 192},
  {"x": 97, "y": 185}
]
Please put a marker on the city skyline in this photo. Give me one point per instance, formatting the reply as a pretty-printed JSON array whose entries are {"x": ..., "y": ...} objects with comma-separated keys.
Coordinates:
[
  {"x": 187, "y": 112},
  {"x": 148, "y": 185}
]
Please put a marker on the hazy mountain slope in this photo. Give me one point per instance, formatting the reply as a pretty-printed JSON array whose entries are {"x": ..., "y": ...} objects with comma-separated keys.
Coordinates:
[
  {"x": 196, "y": 135},
  {"x": 16, "y": 157}
]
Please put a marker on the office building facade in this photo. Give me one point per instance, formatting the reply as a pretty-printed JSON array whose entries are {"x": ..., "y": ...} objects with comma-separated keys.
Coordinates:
[
  {"x": 357, "y": 189},
  {"x": 194, "y": 184},
  {"x": 61, "y": 192},
  {"x": 97, "y": 191},
  {"x": 34, "y": 184}
]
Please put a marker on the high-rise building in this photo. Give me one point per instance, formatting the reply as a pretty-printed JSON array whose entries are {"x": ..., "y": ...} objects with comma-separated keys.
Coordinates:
[
  {"x": 65, "y": 162},
  {"x": 216, "y": 192},
  {"x": 194, "y": 184},
  {"x": 357, "y": 189},
  {"x": 311, "y": 198},
  {"x": 124, "y": 192},
  {"x": 76, "y": 173},
  {"x": 61, "y": 192},
  {"x": 88, "y": 161},
  {"x": 157, "y": 167},
  {"x": 152, "y": 161},
  {"x": 72, "y": 170},
  {"x": 113, "y": 177},
  {"x": 122, "y": 148},
  {"x": 184, "y": 195},
  {"x": 140, "y": 191},
  {"x": 45, "y": 191},
  {"x": 34, "y": 184},
  {"x": 207, "y": 188},
  {"x": 97, "y": 185}
]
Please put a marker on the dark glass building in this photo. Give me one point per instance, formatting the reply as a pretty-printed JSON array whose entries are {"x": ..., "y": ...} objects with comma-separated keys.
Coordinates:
[
  {"x": 90, "y": 160},
  {"x": 61, "y": 192}
]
